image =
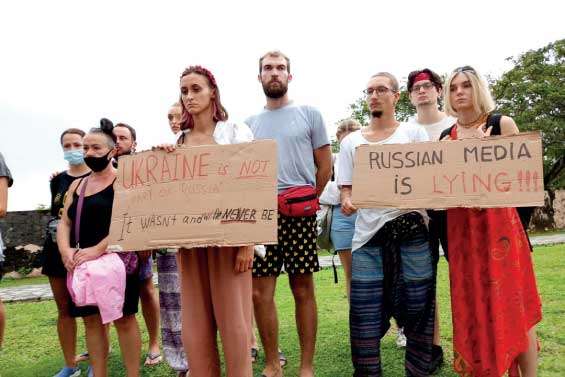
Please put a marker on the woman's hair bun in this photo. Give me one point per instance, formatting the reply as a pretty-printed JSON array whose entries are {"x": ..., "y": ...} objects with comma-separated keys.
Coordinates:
[{"x": 106, "y": 125}]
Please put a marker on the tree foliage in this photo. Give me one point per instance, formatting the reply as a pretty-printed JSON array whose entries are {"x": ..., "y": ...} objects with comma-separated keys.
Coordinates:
[
  {"x": 533, "y": 93},
  {"x": 334, "y": 145}
]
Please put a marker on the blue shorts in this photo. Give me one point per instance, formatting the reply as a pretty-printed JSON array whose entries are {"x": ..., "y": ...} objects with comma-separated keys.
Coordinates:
[{"x": 343, "y": 227}]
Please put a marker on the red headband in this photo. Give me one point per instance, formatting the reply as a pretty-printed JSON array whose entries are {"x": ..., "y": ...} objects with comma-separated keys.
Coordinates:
[{"x": 422, "y": 76}]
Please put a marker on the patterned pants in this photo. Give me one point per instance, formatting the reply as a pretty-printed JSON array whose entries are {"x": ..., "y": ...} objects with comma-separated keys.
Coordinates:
[
  {"x": 169, "y": 301},
  {"x": 393, "y": 276}
]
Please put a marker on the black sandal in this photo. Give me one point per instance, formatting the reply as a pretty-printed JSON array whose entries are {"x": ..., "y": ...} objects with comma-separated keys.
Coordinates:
[
  {"x": 254, "y": 354},
  {"x": 82, "y": 357}
]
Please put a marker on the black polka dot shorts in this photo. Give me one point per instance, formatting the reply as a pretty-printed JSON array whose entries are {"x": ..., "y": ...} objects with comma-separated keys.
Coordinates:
[{"x": 296, "y": 249}]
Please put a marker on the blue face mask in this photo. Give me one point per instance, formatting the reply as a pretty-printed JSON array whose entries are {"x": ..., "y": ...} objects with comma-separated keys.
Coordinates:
[{"x": 74, "y": 156}]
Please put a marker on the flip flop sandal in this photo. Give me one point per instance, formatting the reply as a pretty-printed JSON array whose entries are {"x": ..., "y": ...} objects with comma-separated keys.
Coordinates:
[
  {"x": 85, "y": 356},
  {"x": 153, "y": 359},
  {"x": 82, "y": 357},
  {"x": 282, "y": 359},
  {"x": 254, "y": 354}
]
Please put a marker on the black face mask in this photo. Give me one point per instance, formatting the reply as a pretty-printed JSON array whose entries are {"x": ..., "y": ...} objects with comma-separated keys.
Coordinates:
[{"x": 97, "y": 164}]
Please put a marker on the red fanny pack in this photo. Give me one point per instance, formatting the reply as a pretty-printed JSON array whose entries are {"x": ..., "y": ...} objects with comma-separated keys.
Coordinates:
[{"x": 299, "y": 201}]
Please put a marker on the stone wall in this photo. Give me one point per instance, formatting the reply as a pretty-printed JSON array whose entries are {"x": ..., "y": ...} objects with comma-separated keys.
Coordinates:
[
  {"x": 550, "y": 217},
  {"x": 559, "y": 208},
  {"x": 23, "y": 233},
  {"x": 24, "y": 227}
]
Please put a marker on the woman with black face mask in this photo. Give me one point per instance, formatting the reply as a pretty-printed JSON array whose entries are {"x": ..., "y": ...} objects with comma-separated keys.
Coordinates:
[{"x": 82, "y": 237}]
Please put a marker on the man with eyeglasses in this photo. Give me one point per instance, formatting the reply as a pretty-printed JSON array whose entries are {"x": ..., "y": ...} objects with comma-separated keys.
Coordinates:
[
  {"x": 425, "y": 88},
  {"x": 392, "y": 269}
]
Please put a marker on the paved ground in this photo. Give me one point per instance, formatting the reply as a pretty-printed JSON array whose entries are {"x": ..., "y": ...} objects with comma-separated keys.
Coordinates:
[
  {"x": 40, "y": 292},
  {"x": 548, "y": 240}
]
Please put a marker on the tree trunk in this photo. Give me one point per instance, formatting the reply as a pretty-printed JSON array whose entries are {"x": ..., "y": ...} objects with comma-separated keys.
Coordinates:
[
  {"x": 554, "y": 173},
  {"x": 543, "y": 218}
]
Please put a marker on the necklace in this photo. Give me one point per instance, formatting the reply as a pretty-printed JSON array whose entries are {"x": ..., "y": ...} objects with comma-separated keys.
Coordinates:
[{"x": 480, "y": 120}]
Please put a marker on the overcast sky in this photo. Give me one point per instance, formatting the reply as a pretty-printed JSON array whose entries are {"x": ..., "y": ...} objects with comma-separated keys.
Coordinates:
[{"x": 69, "y": 63}]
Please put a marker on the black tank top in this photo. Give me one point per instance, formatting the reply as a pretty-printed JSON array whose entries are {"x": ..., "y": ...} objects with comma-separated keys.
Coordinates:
[{"x": 95, "y": 218}]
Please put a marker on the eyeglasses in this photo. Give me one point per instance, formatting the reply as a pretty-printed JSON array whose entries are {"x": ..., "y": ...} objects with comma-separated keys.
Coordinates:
[
  {"x": 173, "y": 116},
  {"x": 465, "y": 68},
  {"x": 426, "y": 86},
  {"x": 380, "y": 90}
]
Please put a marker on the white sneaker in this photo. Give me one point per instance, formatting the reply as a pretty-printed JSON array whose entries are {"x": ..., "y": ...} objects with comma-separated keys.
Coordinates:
[{"x": 400, "y": 338}]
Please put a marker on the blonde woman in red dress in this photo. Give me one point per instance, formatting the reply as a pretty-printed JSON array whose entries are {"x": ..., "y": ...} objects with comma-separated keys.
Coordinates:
[{"x": 494, "y": 298}]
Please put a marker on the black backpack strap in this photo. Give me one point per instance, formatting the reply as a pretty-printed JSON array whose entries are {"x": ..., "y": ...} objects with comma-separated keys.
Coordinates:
[
  {"x": 493, "y": 121},
  {"x": 334, "y": 268},
  {"x": 180, "y": 140},
  {"x": 445, "y": 132},
  {"x": 525, "y": 213}
]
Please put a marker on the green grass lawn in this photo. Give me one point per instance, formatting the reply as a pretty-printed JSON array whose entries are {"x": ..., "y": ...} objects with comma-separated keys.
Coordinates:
[
  {"x": 31, "y": 347},
  {"x": 10, "y": 283}
]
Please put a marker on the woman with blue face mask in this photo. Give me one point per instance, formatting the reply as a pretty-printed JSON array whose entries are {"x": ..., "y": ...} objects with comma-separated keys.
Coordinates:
[{"x": 73, "y": 153}]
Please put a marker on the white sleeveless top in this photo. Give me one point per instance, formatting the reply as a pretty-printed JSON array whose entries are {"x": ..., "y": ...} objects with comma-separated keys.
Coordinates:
[{"x": 230, "y": 133}]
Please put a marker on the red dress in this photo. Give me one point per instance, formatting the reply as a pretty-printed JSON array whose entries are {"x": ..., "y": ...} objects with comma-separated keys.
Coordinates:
[{"x": 494, "y": 298}]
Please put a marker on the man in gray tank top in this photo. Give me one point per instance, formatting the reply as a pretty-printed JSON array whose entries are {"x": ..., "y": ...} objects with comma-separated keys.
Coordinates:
[{"x": 304, "y": 159}]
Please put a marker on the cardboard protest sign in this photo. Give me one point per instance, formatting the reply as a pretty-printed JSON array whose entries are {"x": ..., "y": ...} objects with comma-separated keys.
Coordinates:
[
  {"x": 500, "y": 171},
  {"x": 218, "y": 195}
]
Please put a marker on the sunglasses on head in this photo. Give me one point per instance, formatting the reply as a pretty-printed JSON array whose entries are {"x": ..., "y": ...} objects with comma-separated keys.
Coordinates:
[{"x": 465, "y": 68}]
